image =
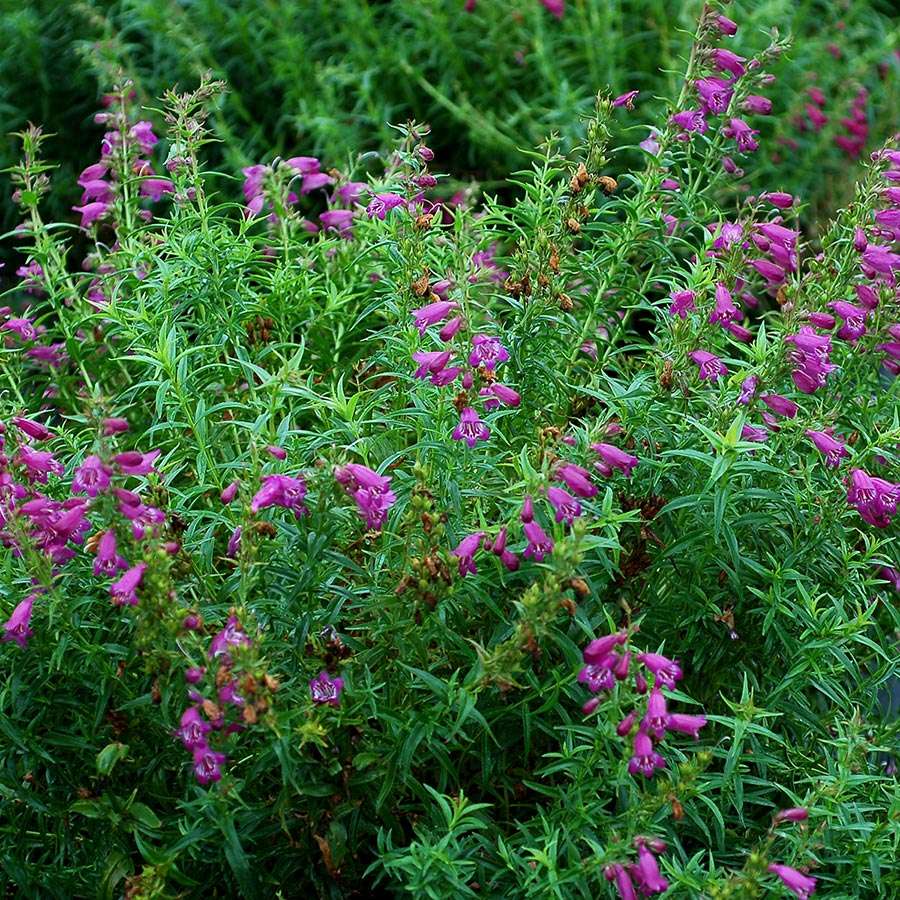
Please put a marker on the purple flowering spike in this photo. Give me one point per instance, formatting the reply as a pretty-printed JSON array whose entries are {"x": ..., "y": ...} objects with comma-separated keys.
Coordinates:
[
  {"x": 124, "y": 591},
  {"x": 711, "y": 367},
  {"x": 781, "y": 405},
  {"x": 830, "y": 447},
  {"x": 667, "y": 671},
  {"x": 432, "y": 314},
  {"x": 566, "y": 506},
  {"x": 577, "y": 480},
  {"x": 465, "y": 552},
  {"x": 207, "y": 764},
  {"x": 803, "y": 886},
  {"x": 657, "y": 717},
  {"x": 370, "y": 490},
  {"x": 685, "y": 724},
  {"x": 487, "y": 351},
  {"x": 193, "y": 728},
  {"x": 874, "y": 498},
  {"x": 682, "y": 303},
  {"x": 470, "y": 428},
  {"x": 614, "y": 458},
  {"x": 539, "y": 542},
  {"x": 16, "y": 628},
  {"x": 325, "y": 689},
  {"x": 644, "y": 759}
]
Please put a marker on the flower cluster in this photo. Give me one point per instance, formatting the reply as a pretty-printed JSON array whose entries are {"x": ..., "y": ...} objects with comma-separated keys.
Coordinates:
[
  {"x": 605, "y": 665},
  {"x": 371, "y": 491},
  {"x": 644, "y": 875}
]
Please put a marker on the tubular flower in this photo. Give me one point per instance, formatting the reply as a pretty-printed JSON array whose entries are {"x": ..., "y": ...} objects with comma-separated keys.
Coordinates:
[{"x": 470, "y": 428}]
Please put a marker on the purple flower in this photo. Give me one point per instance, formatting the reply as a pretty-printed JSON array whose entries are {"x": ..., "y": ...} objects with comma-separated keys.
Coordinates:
[
  {"x": 432, "y": 314},
  {"x": 154, "y": 188},
  {"x": 650, "y": 143},
  {"x": 796, "y": 882},
  {"x": 794, "y": 814},
  {"x": 499, "y": 393},
  {"x": 614, "y": 458},
  {"x": 280, "y": 490},
  {"x": 874, "y": 498},
  {"x": 16, "y": 628},
  {"x": 711, "y": 367},
  {"x": 371, "y": 491},
  {"x": 339, "y": 220},
  {"x": 715, "y": 94},
  {"x": 599, "y": 649},
  {"x": 780, "y": 405},
  {"x": 430, "y": 362},
  {"x": 624, "y": 885},
  {"x": 853, "y": 319},
  {"x": 743, "y": 135},
  {"x": 725, "y": 311},
  {"x": 821, "y": 320},
  {"x": 757, "y": 105},
  {"x": 133, "y": 463},
  {"x": 108, "y": 561},
  {"x": 566, "y": 506},
  {"x": 35, "y": 430},
  {"x": 649, "y": 879},
  {"x": 748, "y": 389},
  {"x": 230, "y": 492},
  {"x": 91, "y": 212},
  {"x": 644, "y": 758},
  {"x": 313, "y": 181},
  {"x": 124, "y": 591},
  {"x": 596, "y": 677},
  {"x": 626, "y": 100},
  {"x": 207, "y": 764},
  {"x": 657, "y": 716},
  {"x": 685, "y": 724},
  {"x": 381, "y": 204},
  {"x": 325, "y": 689},
  {"x": 22, "y": 327},
  {"x": 234, "y": 542},
  {"x": 142, "y": 134},
  {"x": 829, "y": 446},
  {"x": 232, "y": 635},
  {"x": 487, "y": 351},
  {"x": 779, "y": 199},
  {"x": 539, "y": 542},
  {"x": 576, "y": 480},
  {"x": 470, "y": 428},
  {"x": 726, "y": 61},
  {"x": 667, "y": 671},
  {"x": 193, "y": 728},
  {"x": 690, "y": 120},
  {"x": 880, "y": 260},
  {"x": 465, "y": 552},
  {"x": 38, "y": 463},
  {"x": 448, "y": 332},
  {"x": 682, "y": 303},
  {"x": 726, "y": 25}
]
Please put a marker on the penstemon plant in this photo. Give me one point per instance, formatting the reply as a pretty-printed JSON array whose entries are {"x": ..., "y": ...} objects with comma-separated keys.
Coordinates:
[{"x": 368, "y": 537}]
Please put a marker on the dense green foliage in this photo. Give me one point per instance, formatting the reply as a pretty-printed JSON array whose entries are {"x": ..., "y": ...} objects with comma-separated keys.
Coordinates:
[{"x": 456, "y": 760}]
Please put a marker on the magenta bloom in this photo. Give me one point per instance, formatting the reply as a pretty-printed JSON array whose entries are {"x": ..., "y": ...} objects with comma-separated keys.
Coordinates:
[
  {"x": 874, "y": 498},
  {"x": 133, "y": 463},
  {"x": 193, "y": 728},
  {"x": 539, "y": 542},
  {"x": 448, "y": 332},
  {"x": 597, "y": 677},
  {"x": 232, "y": 635},
  {"x": 91, "y": 212},
  {"x": 430, "y": 362},
  {"x": 794, "y": 814},
  {"x": 16, "y": 628},
  {"x": 555, "y": 7},
  {"x": 726, "y": 26},
  {"x": 577, "y": 480},
  {"x": 742, "y": 134},
  {"x": 155, "y": 188},
  {"x": 644, "y": 759},
  {"x": 280, "y": 490},
  {"x": 207, "y": 764},
  {"x": 685, "y": 724},
  {"x": 822, "y": 320},
  {"x": 487, "y": 351},
  {"x": 371, "y": 491},
  {"x": 34, "y": 430},
  {"x": 24, "y": 328},
  {"x": 108, "y": 561},
  {"x": 649, "y": 878},
  {"x": 667, "y": 671},
  {"x": 781, "y": 405},
  {"x": 726, "y": 61},
  {"x": 276, "y": 451},
  {"x": 566, "y": 506},
  {"x": 432, "y": 314},
  {"x": 682, "y": 303},
  {"x": 657, "y": 717},
  {"x": 339, "y": 220},
  {"x": 757, "y": 105},
  {"x": 796, "y": 882},
  {"x": 748, "y": 389},
  {"x": 142, "y": 134},
  {"x": 725, "y": 311},
  {"x": 114, "y": 426},
  {"x": 689, "y": 120},
  {"x": 325, "y": 689},
  {"x": 381, "y": 204},
  {"x": 853, "y": 320},
  {"x": 880, "y": 260},
  {"x": 832, "y": 449},
  {"x": 465, "y": 552},
  {"x": 613, "y": 458},
  {"x": 599, "y": 649},
  {"x": 779, "y": 199},
  {"x": 626, "y": 100},
  {"x": 715, "y": 94},
  {"x": 711, "y": 367},
  {"x": 124, "y": 591},
  {"x": 230, "y": 492},
  {"x": 470, "y": 428},
  {"x": 38, "y": 464},
  {"x": 498, "y": 394},
  {"x": 624, "y": 884}
]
